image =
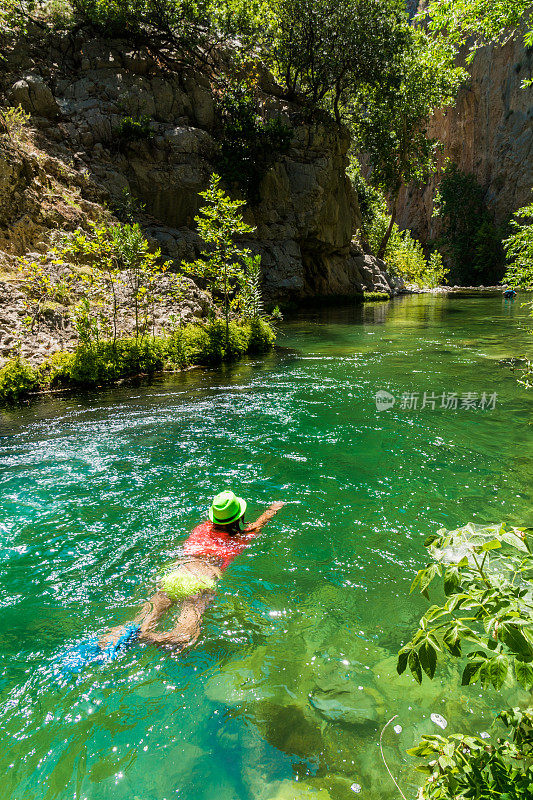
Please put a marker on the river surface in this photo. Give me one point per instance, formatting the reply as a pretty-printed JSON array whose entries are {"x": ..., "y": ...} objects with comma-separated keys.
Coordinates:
[{"x": 293, "y": 678}]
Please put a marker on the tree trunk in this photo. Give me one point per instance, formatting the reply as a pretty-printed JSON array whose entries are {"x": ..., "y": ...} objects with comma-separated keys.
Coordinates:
[
  {"x": 385, "y": 240},
  {"x": 226, "y": 305},
  {"x": 115, "y": 306}
]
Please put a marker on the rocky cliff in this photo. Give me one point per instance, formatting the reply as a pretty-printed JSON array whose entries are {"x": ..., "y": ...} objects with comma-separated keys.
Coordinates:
[
  {"x": 78, "y": 89},
  {"x": 489, "y": 132}
]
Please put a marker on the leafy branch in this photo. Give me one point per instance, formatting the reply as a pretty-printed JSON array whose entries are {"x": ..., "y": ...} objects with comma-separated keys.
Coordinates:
[{"x": 486, "y": 573}]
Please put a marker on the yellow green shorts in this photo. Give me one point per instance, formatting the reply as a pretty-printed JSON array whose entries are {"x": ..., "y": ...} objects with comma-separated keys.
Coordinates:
[{"x": 178, "y": 584}]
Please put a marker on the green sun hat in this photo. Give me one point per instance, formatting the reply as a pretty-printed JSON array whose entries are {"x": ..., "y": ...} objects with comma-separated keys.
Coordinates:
[{"x": 226, "y": 507}]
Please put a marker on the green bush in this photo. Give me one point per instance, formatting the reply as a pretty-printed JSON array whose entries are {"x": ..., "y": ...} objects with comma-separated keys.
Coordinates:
[
  {"x": 261, "y": 336},
  {"x": 56, "y": 372},
  {"x": 209, "y": 347},
  {"x": 105, "y": 362},
  {"x": 17, "y": 379},
  {"x": 249, "y": 143},
  {"x": 101, "y": 363},
  {"x": 133, "y": 129},
  {"x": 469, "y": 237},
  {"x": 204, "y": 345},
  {"x": 405, "y": 256},
  {"x": 239, "y": 339},
  {"x": 373, "y": 297}
]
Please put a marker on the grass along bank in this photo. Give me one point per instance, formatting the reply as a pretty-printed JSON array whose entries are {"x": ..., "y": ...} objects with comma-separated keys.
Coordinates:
[{"x": 102, "y": 363}]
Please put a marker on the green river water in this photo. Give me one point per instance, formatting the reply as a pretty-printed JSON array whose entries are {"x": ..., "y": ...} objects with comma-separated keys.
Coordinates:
[{"x": 285, "y": 694}]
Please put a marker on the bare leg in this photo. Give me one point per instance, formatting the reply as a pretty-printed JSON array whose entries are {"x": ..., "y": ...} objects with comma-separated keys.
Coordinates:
[
  {"x": 147, "y": 618},
  {"x": 187, "y": 627}
]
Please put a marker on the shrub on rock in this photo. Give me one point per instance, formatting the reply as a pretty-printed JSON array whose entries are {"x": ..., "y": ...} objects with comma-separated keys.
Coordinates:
[{"x": 17, "y": 379}]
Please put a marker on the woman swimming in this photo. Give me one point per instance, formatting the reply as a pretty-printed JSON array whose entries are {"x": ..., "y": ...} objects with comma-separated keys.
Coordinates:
[{"x": 192, "y": 579}]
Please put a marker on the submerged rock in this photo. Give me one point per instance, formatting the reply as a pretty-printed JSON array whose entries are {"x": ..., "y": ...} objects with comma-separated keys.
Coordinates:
[
  {"x": 345, "y": 695},
  {"x": 344, "y": 707},
  {"x": 292, "y": 790}
]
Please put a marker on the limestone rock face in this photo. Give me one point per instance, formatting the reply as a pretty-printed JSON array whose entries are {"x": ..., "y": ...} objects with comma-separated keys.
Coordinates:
[
  {"x": 305, "y": 214},
  {"x": 488, "y": 133}
]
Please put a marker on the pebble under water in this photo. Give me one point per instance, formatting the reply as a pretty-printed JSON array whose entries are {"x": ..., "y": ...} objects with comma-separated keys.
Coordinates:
[{"x": 285, "y": 694}]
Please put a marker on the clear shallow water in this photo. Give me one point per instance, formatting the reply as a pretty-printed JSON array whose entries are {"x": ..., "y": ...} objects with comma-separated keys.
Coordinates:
[{"x": 285, "y": 694}]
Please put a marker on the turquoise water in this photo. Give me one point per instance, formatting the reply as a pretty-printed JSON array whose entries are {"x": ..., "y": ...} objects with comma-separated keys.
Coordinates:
[{"x": 287, "y": 690}]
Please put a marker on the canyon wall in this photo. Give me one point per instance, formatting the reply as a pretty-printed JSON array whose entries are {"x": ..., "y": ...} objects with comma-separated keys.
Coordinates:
[
  {"x": 489, "y": 133},
  {"x": 79, "y": 88}
]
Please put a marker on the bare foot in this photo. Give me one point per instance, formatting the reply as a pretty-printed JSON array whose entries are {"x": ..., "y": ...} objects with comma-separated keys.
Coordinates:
[{"x": 113, "y": 635}]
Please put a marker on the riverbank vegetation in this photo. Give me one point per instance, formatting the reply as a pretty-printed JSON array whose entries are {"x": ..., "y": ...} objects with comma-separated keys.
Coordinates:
[
  {"x": 485, "y": 621},
  {"x": 519, "y": 275},
  {"x": 104, "y": 362},
  {"x": 116, "y": 285},
  {"x": 404, "y": 255}
]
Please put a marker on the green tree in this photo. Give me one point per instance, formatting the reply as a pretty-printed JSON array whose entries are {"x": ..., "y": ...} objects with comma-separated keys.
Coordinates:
[
  {"x": 120, "y": 259},
  {"x": 469, "y": 237},
  {"x": 181, "y": 25},
  {"x": 479, "y": 21},
  {"x": 519, "y": 250},
  {"x": 324, "y": 50},
  {"x": 221, "y": 264},
  {"x": 41, "y": 284},
  {"x": 391, "y": 119}
]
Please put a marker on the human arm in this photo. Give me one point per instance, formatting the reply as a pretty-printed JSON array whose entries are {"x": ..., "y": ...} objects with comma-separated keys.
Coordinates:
[{"x": 255, "y": 527}]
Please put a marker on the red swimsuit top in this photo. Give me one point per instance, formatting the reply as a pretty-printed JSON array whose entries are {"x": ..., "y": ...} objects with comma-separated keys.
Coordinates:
[{"x": 208, "y": 541}]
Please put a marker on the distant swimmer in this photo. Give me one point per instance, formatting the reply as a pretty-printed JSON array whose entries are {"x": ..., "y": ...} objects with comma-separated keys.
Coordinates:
[{"x": 509, "y": 294}]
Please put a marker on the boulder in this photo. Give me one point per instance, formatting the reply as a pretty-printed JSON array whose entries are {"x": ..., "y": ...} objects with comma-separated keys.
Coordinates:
[{"x": 35, "y": 97}]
